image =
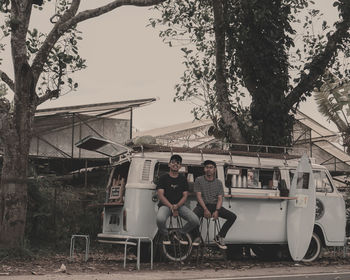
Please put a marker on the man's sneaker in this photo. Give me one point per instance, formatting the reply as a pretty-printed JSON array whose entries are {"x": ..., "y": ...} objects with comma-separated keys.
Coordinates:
[
  {"x": 220, "y": 242},
  {"x": 197, "y": 241},
  {"x": 178, "y": 237},
  {"x": 166, "y": 240}
]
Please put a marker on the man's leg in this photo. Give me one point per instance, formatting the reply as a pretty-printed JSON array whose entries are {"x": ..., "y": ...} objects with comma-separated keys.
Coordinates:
[
  {"x": 190, "y": 217},
  {"x": 163, "y": 214},
  {"x": 230, "y": 219},
  {"x": 195, "y": 233}
]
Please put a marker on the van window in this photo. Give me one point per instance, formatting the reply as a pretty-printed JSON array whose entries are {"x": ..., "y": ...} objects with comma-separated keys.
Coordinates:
[
  {"x": 247, "y": 177},
  {"x": 190, "y": 172},
  {"x": 322, "y": 182}
]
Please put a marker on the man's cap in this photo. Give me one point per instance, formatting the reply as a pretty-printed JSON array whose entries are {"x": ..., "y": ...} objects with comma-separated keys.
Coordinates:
[
  {"x": 208, "y": 161},
  {"x": 176, "y": 157}
]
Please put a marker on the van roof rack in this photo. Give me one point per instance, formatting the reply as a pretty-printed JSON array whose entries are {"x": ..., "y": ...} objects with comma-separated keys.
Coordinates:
[{"x": 159, "y": 148}]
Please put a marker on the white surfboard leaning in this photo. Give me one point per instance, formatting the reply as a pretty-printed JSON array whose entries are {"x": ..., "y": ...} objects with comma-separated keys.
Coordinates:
[{"x": 301, "y": 212}]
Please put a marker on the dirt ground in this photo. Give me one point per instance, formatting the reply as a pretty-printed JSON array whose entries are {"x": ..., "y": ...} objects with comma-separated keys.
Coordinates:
[{"x": 101, "y": 261}]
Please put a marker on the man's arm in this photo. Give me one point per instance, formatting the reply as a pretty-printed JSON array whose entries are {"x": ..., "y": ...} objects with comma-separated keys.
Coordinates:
[
  {"x": 218, "y": 206},
  {"x": 163, "y": 199},
  {"x": 220, "y": 199},
  {"x": 219, "y": 203},
  {"x": 202, "y": 204},
  {"x": 181, "y": 201}
]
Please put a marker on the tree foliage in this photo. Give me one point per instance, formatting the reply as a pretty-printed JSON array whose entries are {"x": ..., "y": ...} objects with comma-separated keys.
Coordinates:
[
  {"x": 265, "y": 57},
  {"x": 333, "y": 102}
]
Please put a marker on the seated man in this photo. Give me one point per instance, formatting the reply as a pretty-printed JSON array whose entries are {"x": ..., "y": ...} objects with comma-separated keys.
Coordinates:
[
  {"x": 172, "y": 190},
  {"x": 209, "y": 191}
]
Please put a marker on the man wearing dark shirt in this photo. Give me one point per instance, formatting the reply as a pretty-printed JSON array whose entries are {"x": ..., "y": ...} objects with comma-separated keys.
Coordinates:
[{"x": 172, "y": 190}]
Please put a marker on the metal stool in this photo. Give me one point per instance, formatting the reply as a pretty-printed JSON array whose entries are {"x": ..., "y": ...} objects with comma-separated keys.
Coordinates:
[
  {"x": 206, "y": 241},
  {"x": 138, "y": 244},
  {"x": 72, "y": 245},
  {"x": 345, "y": 247},
  {"x": 217, "y": 228},
  {"x": 176, "y": 251}
]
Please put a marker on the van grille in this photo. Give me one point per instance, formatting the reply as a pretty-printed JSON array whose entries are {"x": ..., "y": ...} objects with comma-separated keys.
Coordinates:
[{"x": 146, "y": 170}]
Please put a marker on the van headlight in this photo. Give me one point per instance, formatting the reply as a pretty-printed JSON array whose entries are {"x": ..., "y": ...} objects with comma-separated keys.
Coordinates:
[
  {"x": 319, "y": 209},
  {"x": 154, "y": 197}
]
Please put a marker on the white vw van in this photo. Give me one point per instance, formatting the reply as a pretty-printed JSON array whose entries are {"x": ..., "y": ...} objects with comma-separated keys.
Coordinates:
[{"x": 271, "y": 212}]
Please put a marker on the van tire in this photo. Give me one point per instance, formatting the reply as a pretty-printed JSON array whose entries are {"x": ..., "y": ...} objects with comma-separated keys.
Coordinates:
[{"x": 315, "y": 249}]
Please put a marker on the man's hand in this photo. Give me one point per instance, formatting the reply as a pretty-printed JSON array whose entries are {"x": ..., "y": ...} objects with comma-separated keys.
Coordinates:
[
  {"x": 207, "y": 213},
  {"x": 215, "y": 215},
  {"x": 174, "y": 209},
  {"x": 175, "y": 213}
]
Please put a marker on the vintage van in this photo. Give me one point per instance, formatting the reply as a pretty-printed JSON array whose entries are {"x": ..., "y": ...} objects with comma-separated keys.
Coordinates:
[{"x": 258, "y": 189}]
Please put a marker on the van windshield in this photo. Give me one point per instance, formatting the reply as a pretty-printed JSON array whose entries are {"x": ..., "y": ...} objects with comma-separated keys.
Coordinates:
[{"x": 322, "y": 182}]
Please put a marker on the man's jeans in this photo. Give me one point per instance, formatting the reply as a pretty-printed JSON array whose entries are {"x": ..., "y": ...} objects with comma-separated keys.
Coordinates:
[{"x": 164, "y": 213}]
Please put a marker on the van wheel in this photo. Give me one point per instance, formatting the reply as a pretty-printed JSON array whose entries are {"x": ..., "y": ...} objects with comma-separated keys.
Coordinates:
[
  {"x": 176, "y": 251},
  {"x": 314, "y": 250}
]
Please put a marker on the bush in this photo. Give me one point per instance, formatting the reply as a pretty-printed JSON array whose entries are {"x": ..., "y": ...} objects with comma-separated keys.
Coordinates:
[{"x": 58, "y": 208}]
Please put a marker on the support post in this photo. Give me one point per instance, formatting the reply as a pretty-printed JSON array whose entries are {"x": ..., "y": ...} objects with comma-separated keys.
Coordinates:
[
  {"x": 73, "y": 134},
  {"x": 131, "y": 123}
]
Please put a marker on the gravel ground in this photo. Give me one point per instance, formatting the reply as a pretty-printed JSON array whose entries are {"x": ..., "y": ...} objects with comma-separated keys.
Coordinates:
[{"x": 102, "y": 263}]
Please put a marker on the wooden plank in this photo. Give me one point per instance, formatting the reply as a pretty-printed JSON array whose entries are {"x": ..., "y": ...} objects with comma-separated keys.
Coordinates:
[
  {"x": 108, "y": 204},
  {"x": 260, "y": 197}
]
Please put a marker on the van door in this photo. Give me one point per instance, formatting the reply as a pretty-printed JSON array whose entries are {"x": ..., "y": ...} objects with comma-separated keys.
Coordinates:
[{"x": 330, "y": 214}]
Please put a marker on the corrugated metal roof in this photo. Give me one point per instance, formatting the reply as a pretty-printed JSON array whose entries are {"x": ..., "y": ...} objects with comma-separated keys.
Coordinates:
[
  {"x": 163, "y": 131},
  {"x": 333, "y": 150},
  {"x": 317, "y": 130},
  {"x": 98, "y": 109}
]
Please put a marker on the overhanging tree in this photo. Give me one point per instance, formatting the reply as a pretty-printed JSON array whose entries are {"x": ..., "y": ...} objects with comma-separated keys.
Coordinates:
[
  {"x": 42, "y": 64},
  {"x": 333, "y": 102},
  {"x": 261, "y": 54}
]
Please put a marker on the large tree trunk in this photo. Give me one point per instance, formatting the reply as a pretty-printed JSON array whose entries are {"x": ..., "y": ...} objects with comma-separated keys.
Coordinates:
[
  {"x": 17, "y": 137},
  {"x": 261, "y": 54},
  {"x": 229, "y": 124},
  {"x": 13, "y": 193},
  {"x": 13, "y": 187}
]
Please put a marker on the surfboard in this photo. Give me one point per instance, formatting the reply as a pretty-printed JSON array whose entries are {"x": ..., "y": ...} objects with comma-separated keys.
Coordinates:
[{"x": 301, "y": 211}]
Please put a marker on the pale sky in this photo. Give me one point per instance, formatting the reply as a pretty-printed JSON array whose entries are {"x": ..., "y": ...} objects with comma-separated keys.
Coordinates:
[{"x": 127, "y": 60}]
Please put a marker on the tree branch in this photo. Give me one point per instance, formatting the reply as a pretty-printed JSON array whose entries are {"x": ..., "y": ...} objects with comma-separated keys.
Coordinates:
[
  {"x": 7, "y": 80},
  {"x": 52, "y": 38},
  {"x": 317, "y": 67},
  {"x": 109, "y": 7},
  {"x": 48, "y": 95},
  {"x": 69, "y": 19}
]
